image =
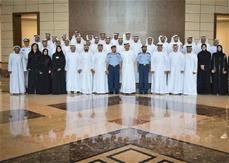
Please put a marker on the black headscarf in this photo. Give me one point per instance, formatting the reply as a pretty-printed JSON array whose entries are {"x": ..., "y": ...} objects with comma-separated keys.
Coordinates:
[
  {"x": 43, "y": 52},
  {"x": 61, "y": 52},
  {"x": 204, "y": 45},
  {"x": 35, "y": 44},
  {"x": 218, "y": 50}
]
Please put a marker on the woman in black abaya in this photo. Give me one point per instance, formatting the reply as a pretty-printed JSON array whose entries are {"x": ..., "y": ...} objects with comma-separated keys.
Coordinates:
[
  {"x": 58, "y": 72},
  {"x": 44, "y": 73},
  {"x": 32, "y": 67},
  {"x": 219, "y": 72}
]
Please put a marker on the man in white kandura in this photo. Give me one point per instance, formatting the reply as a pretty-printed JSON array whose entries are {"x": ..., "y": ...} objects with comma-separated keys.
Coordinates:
[
  {"x": 136, "y": 47},
  {"x": 102, "y": 38},
  {"x": 36, "y": 39},
  {"x": 52, "y": 45},
  {"x": 94, "y": 46},
  {"x": 190, "y": 41},
  {"x": 79, "y": 44},
  {"x": 63, "y": 38},
  {"x": 159, "y": 69},
  {"x": 150, "y": 45},
  {"x": 114, "y": 40},
  {"x": 45, "y": 46},
  {"x": 175, "y": 78},
  {"x": 213, "y": 48},
  {"x": 190, "y": 72},
  {"x": 120, "y": 46},
  {"x": 203, "y": 40},
  {"x": 72, "y": 67},
  {"x": 100, "y": 83},
  {"x": 86, "y": 70},
  {"x": 162, "y": 39},
  {"x": 16, "y": 68},
  {"x": 25, "y": 52},
  {"x": 127, "y": 38},
  {"x": 107, "y": 45},
  {"x": 128, "y": 71},
  {"x": 66, "y": 47},
  {"x": 91, "y": 38},
  {"x": 175, "y": 39}
]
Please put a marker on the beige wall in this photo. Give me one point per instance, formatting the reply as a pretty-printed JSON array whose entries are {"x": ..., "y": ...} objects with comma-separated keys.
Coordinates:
[
  {"x": 53, "y": 18},
  {"x": 199, "y": 17}
]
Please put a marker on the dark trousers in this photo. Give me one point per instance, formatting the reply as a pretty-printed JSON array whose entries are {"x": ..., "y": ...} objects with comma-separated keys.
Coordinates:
[
  {"x": 143, "y": 71},
  {"x": 113, "y": 78}
]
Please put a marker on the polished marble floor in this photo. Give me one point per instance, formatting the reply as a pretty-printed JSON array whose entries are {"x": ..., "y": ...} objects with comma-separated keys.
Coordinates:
[{"x": 114, "y": 128}]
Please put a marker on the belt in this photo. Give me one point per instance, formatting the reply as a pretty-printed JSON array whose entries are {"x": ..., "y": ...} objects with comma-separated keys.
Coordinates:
[
  {"x": 113, "y": 65},
  {"x": 144, "y": 64}
]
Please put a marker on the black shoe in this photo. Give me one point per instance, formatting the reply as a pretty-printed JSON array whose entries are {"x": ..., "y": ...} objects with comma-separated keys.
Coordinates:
[{"x": 110, "y": 92}]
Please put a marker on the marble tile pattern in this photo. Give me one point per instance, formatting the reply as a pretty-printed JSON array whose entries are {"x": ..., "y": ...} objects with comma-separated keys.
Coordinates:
[
  {"x": 86, "y": 128},
  {"x": 126, "y": 153},
  {"x": 7, "y": 116},
  {"x": 82, "y": 149}
]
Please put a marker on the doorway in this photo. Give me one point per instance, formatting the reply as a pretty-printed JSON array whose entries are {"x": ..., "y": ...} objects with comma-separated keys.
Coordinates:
[
  {"x": 25, "y": 25},
  {"x": 221, "y": 31}
]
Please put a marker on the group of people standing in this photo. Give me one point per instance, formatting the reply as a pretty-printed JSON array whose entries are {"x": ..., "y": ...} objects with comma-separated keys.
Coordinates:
[{"x": 100, "y": 64}]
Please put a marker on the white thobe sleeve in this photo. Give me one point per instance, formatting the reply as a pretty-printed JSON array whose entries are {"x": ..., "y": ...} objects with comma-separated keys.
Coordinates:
[
  {"x": 10, "y": 63},
  {"x": 105, "y": 63},
  {"x": 170, "y": 58},
  {"x": 134, "y": 57},
  {"x": 92, "y": 61},
  {"x": 209, "y": 47},
  {"x": 195, "y": 67},
  {"x": 79, "y": 63},
  {"x": 152, "y": 65},
  {"x": 73, "y": 40},
  {"x": 182, "y": 62},
  {"x": 23, "y": 63},
  {"x": 67, "y": 63},
  {"x": 183, "y": 49},
  {"x": 167, "y": 62}
]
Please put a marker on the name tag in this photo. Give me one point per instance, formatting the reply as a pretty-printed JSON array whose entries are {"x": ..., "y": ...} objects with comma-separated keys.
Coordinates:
[{"x": 57, "y": 57}]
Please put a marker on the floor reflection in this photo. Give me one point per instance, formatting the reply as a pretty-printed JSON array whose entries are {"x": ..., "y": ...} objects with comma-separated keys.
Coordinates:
[
  {"x": 94, "y": 100},
  {"x": 82, "y": 121},
  {"x": 179, "y": 114},
  {"x": 176, "y": 126},
  {"x": 18, "y": 118}
]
